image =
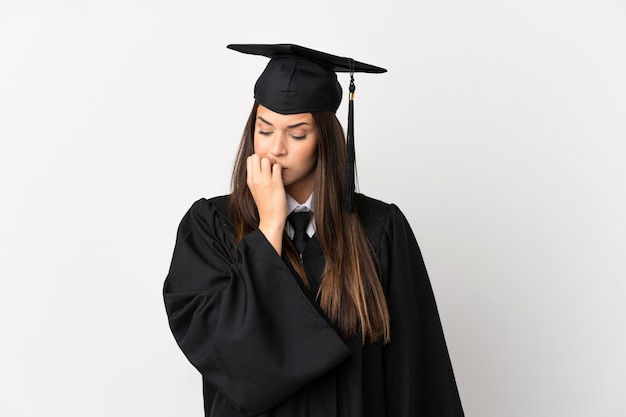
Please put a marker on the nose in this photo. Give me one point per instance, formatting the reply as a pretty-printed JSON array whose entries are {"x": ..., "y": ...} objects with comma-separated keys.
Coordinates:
[{"x": 277, "y": 147}]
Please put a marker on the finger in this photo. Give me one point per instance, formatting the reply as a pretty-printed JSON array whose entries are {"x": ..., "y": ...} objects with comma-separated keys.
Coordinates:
[
  {"x": 249, "y": 169},
  {"x": 277, "y": 173},
  {"x": 266, "y": 166},
  {"x": 254, "y": 170}
]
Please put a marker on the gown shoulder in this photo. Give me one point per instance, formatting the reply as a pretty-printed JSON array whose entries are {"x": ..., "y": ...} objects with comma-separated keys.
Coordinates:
[{"x": 240, "y": 316}]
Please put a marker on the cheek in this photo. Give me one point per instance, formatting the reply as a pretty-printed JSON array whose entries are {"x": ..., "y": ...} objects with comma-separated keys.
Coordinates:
[
  {"x": 257, "y": 146},
  {"x": 313, "y": 153},
  {"x": 310, "y": 157},
  {"x": 314, "y": 156},
  {"x": 305, "y": 151}
]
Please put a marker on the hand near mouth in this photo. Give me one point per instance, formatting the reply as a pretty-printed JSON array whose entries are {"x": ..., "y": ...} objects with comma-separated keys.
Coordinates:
[{"x": 264, "y": 179}]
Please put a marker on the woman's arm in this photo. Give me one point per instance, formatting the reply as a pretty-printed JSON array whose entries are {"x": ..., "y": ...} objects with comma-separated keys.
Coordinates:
[
  {"x": 241, "y": 318},
  {"x": 264, "y": 179}
]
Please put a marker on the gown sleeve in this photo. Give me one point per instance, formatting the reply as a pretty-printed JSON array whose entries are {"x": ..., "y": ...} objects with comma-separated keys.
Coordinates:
[
  {"x": 418, "y": 373},
  {"x": 240, "y": 316}
]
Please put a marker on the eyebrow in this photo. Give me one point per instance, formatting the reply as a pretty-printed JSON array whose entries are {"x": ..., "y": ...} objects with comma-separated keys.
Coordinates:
[{"x": 288, "y": 127}]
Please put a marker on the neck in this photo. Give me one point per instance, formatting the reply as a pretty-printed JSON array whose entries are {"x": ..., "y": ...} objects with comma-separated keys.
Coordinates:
[
  {"x": 300, "y": 195},
  {"x": 293, "y": 202}
]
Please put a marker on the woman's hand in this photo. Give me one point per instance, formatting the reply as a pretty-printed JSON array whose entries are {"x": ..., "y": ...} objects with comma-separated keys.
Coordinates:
[{"x": 266, "y": 185}]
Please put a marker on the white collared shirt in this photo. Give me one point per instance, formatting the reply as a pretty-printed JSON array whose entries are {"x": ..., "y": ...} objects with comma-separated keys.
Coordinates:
[{"x": 293, "y": 205}]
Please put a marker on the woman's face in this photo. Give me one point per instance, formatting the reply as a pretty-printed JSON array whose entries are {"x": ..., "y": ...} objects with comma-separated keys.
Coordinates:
[{"x": 291, "y": 141}]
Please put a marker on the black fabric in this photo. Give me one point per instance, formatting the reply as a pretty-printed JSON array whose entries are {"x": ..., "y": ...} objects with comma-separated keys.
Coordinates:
[
  {"x": 314, "y": 263},
  {"x": 263, "y": 345},
  {"x": 334, "y": 62},
  {"x": 299, "y": 79},
  {"x": 299, "y": 221}
]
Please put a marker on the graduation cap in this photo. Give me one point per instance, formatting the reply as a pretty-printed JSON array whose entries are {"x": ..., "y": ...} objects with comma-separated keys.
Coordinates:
[{"x": 303, "y": 80}]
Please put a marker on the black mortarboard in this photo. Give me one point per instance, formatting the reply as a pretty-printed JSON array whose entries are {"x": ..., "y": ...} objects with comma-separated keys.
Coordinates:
[{"x": 303, "y": 80}]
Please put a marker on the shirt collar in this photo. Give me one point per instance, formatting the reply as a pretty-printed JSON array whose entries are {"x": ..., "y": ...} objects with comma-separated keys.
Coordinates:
[{"x": 293, "y": 205}]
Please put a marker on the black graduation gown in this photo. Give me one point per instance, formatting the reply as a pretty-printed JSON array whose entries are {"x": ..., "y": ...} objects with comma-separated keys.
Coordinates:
[{"x": 263, "y": 345}]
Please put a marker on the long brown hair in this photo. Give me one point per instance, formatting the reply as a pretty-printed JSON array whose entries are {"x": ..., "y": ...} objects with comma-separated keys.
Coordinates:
[{"x": 350, "y": 292}]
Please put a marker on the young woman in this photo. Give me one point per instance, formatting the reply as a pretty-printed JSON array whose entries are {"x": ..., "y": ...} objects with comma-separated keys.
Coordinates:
[{"x": 335, "y": 317}]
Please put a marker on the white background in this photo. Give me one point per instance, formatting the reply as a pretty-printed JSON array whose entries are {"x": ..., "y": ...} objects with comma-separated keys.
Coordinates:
[{"x": 499, "y": 130}]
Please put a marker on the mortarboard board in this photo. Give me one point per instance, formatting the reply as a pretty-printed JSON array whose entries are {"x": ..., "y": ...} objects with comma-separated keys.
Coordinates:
[{"x": 303, "y": 80}]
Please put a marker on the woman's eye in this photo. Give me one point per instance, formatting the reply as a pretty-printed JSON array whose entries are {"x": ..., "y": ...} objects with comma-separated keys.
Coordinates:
[
  {"x": 298, "y": 137},
  {"x": 261, "y": 132}
]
